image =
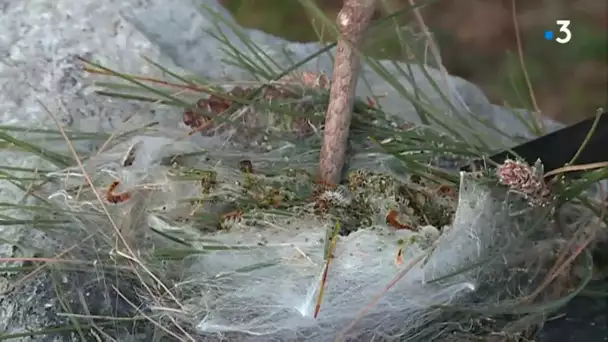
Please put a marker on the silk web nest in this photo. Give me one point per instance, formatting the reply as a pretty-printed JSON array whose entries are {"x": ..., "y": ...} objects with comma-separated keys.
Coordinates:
[{"x": 251, "y": 248}]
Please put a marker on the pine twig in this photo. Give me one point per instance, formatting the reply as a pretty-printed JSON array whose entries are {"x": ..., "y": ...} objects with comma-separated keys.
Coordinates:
[{"x": 353, "y": 20}]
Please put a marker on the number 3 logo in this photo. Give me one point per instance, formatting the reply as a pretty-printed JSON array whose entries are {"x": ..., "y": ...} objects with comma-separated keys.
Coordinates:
[{"x": 563, "y": 27}]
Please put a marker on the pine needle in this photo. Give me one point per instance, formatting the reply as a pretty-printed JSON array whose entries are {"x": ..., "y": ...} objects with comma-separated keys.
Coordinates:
[{"x": 331, "y": 238}]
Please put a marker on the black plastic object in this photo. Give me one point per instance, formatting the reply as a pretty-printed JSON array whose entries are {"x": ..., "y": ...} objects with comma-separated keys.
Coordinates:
[{"x": 558, "y": 148}]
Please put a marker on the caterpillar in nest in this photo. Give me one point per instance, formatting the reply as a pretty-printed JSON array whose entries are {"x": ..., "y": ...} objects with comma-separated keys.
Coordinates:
[
  {"x": 230, "y": 219},
  {"x": 392, "y": 218},
  {"x": 119, "y": 197},
  {"x": 321, "y": 206},
  {"x": 447, "y": 191}
]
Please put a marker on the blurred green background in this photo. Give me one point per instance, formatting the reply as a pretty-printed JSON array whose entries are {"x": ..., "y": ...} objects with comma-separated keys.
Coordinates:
[{"x": 478, "y": 42}]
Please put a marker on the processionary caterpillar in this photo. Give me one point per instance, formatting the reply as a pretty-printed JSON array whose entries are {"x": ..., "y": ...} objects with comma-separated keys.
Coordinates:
[
  {"x": 392, "y": 219},
  {"x": 116, "y": 197}
]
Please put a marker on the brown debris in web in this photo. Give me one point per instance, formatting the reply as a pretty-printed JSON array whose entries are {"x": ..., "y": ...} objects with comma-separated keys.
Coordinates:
[
  {"x": 284, "y": 89},
  {"x": 307, "y": 79}
]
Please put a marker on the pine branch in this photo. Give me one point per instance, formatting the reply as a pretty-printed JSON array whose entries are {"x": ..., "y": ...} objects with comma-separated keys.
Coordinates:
[{"x": 352, "y": 21}]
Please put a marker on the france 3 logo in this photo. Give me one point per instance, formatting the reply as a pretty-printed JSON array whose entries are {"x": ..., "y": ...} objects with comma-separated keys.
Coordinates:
[{"x": 564, "y": 34}]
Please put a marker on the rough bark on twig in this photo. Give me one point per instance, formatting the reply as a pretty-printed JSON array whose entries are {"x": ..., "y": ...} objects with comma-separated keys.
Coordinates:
[{"x": 353, "y": 20}]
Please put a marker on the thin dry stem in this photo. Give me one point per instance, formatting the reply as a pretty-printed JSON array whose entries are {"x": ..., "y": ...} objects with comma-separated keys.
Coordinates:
[
  {"x": 520, "y": 53},
  {"x": 575, "y": 168},
  {"x": 198, "y": 89},
  {"x": 45, "y": 260},
  {"x": 157, "y": 324},
  {"x": 559, "y": 267},
  {"x": 433, "y": 47},
  {"x": 342, "y": 336},
  {"x": 353, "y": 20},
  {"x": 432, "y": 44},
  {"x": 38, "y": 269},
  {"x": 117, "y": 230}
]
